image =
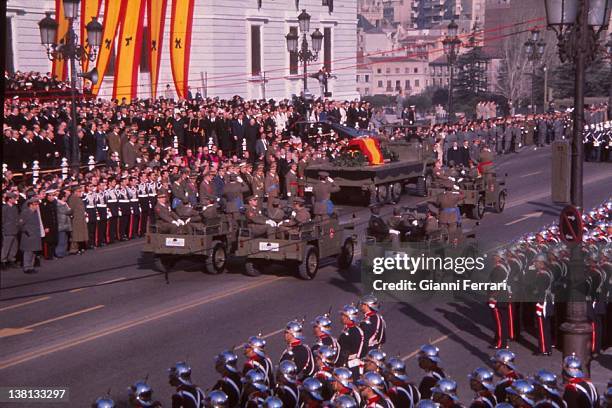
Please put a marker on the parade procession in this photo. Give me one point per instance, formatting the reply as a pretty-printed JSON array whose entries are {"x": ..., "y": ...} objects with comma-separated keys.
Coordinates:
[{"x": 306, "y": 204}]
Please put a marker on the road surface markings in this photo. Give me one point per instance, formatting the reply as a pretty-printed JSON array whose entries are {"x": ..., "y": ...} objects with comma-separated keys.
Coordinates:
[
  {"x": 43, "y": 351},
  {"x": 531, "y": 174},
  {"x": 99, "y": 284},
  {"x": 436, "y": 341},
  {"x": 26, "y": 329},
  {"x": 29, "y": 302},
  {"x": 535, "y": 214},
  {"x": 265, "y": 336}
]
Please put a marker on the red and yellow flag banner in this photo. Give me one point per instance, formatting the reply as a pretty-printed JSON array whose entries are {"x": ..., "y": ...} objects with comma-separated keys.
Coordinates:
[
  {"x": 112, "y": 16},
  {"x": 369, "y": 147},
  {"x": 60, "y": 66},
  {"x": 180, "y": 43},
  {"x": 156, "y": 18},
  {"x": 128, "y": 53},
  {"x": 89, "y": 10}
]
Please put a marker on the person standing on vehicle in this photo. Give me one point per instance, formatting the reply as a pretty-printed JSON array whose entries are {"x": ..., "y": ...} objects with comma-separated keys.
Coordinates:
[{"x": 322, "y": 191}]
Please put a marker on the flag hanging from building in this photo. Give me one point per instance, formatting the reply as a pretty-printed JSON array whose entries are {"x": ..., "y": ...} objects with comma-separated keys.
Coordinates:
[
  {"x": 128, "y": 51},
  {"x": 156, "y": 18},
  {"x": 60, "y": 65},
  {"x": 180, "y": 43},
  {"x": 112, "y": 15},
  {"x": 89, "y": 9}
]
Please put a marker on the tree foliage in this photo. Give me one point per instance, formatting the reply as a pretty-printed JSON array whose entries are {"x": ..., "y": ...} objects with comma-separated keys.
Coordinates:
[{"x": 597, "y": 79}]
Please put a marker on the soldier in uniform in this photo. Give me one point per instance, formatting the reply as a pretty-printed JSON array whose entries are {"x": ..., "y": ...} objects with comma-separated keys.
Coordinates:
[
  {"x": 291, "y": 182},
  {"x": 257, "y": 223},
  {"x": 499, "y": 301},
  {"x": 373, "y": 324},
  {"x": 216, "y": 399},
  {"x": 134, "y": 208},
  {"x": 141, "y": 396},
  {"x": 579, "y": 391},
  {"x": 271, "y": 185},
  {"x": 597, "y": 294},
  {"x": 254, "y": 390},
  {"x": 521, "y": 394},
  {"x": 351, "y": 340},
  {"x": 124, "y": 209},
  {"x": 296, "y": 351},
  {"x": 342, "y": 383},
  {"x": 258, "y": 186},
  {"x": 321, "y": 327},
  {"x": 377, "y": 227},
  {"x": 102, "y": 214},
  {"x": 547, "y": 391},
  {"x": 322, "y": 191},
  {"x": 165, "y": 219},
  {"x": 545, "y": 305},
  {"x": 286, "y": 388},
  {"x": 325, "y": 358},
  {"x": 374, "y": 361},
  {"x": 445, "y": 394},
  {"x": 207, "y": 188},
  {"x": 481, "y": 382},
  {"x": 230, "y": 382},
  {"x": 429, "y": 360},
  {"x": 254, "y": 351},
  {"x": 299, "y": 216},
  {"x": 503, "y": 361},
  {"x": 401, "y": 392},
  {"x": 103, "y": 402},
  {"x": 449, "y": 216},
  {"x": 187, "y": 395},
  {"x": 143, "y": 202},
  {"x": 233, "y": 194},
  {"x": 112, "y": 224},
  {"x": 275, "y": 213},
  {"x": 372, "y": 389},
  {"x": 310, "y": 395},
  {"x": 92, "y": 214}
]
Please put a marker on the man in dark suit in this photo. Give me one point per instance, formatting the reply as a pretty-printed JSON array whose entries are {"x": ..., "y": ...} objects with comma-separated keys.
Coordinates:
[
  {"x": 12, "y": 150},
  {"x": 251, "y": 132},
  {"x": 129, "y": 154},
  {"x": 211, "y": 126},
  {"x": 31, "y": 234},
  {"x": 226, "y": 141},
  {"x": 239, "y": 131},
  {"x": 261, "y": 147}
]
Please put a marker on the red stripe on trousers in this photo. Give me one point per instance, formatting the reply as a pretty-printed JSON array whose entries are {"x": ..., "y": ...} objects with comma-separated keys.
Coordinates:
[
  {"x": 541, "y": 324},
  {"x": 499, "y": 329}
]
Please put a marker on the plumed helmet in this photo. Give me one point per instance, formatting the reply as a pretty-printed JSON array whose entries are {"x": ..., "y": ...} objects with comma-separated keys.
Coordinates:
[
  {"x": 572, "y": 367},
  {"x": 427, "y": 403},
  {"x": 327, "y": 354},
  {"x": 522, "y": 389},
  {"x": 288, "y": 370},
  {"x": 345, "y": 401},
  {"x": 324, "y": 324},
  {"x": 396, "y": 368},
  {"x": 181, "y": 373},
  {"x": 295, "y": 328},
  {"x": 547, "y": 380},
  {"x": 103, "y": 402},
  {"x": 377, "y": 357},
  {"x": 446, "y": 387},
  {"x": 256, "y": 379},
  {"x": 257, "y": 344},
  {"x": 313, "y": 387},
  {"x": 226, "y": 360},
  {"x": 505, "y": 357},
  {"x": 142, "y": 393},
  {"x": 372, "y": 380},
  {"x": 371, "y": 301},
  {"x": 272, "y": 402},
  {"x": 504, "y": 405},
  {"x": 484, "y": 376},
  {"x": 343, "y": 376},
  {"x": 429, "y": 352},
  {"x": 351, "y": 312},
  {"x": 216, "y": 399}
]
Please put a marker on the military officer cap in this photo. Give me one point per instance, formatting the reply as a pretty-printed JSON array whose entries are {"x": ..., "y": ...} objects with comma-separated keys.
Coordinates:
[
  {"x": 298, "y": 200},
  {"x": 233, "y": 177},
  {"x": 252, "y": 197},
  {"x": 33, "y": 200},
  {"x": 276, "y": 202},
  {"x": 10, "y": 195},
  {"x": 323, "y": 174},
  {"x": 162, "y": 193}
]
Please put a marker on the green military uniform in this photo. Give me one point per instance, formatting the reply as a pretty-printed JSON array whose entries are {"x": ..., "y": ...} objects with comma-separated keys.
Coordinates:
[
  {"x": 257, "y": 223},
  {"x": 165, "y": 219},
  {"x": 448, "y": 217},
  {"x": 322, "y": 192}
]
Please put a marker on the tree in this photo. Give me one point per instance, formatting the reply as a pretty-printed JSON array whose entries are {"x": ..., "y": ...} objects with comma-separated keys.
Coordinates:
[
  {"x": 597, "y": 79},
  {"x": 471, "y": 73}
]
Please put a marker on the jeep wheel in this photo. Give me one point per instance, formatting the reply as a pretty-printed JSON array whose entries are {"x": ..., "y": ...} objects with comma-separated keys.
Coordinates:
[
  {"x": 478, "y": 209},
  {"x": 501, "y": 202},
  {"x": 345, "y": 258},
  {"x": 252, "y": 268},
  {"x": 216, "y": 260},
  {"x": 396, "y": 192},
  {"x": 382, "y": 193},
  {"x": 164, "y": 263},
  {"x": 308, "y": 268},
  {"x": 422, "y": 185}
]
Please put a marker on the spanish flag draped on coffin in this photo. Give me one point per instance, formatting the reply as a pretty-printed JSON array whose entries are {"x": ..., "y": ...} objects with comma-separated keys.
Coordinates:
[{"x": 369, "y": 147}]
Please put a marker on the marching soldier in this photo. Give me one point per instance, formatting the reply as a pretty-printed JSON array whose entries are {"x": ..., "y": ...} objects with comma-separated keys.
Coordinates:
[
  {"x": 596, "y": 299},
  {"x": 429, "y": 360},
  {"x": 296, "y": 351},
  {"x": 579, "y": 391},
  {"x": 258, "y": 185},
  {"x": 141, "y": 396},
  {"x": 547, "y": 391},
  {"x": 372, "y": 389},
  {"x": 321, "y": 327},
  {"x": 445, "y": 393},
  {"x": 322, "y": 191},
  {"x": 351, "y": 341},
  {"x": 325, "y": 358},
  {"x": 255, "y": 389},
  {"x": 521, "y": 394},
  {"x": 188, "y": 395},
  {"x": 481, "y": 382},
  {"x": 373, "y": 324},
  {"x": 230, "y": 382},
  {"x": 499, "y": 301},
  {"x": 503, "y": 361},
  {"x": 286, "y": 388},
  {"x": 311, "y": 396},
  {"x": 258, "y": 360},
  {"x": 216, "y": 399},
  {"x": 401, "y": 392},
  {"x": 544, "y": 306},
  {"x": 103, "y": 402},
  {"x": 374, "y": 361},
  {"x": 342, "y": 383}
]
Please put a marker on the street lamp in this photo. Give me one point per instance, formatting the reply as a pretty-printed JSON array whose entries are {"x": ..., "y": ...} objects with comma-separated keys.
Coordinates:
[
  {"x": 451, "y": 44},
  {"x": 304, "y": 53},
  {"x": 609, "y": 54},
  {"x": 577, "y": 24},
  {"x": 534, "y": 48},
  {"x": 69, "y": 49}
]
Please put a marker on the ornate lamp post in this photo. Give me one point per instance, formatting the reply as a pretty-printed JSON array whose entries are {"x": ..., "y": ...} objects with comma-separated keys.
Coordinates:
[
  {"x": 451, "y": 44},
  {"x": 534, "y": 48},
  {"x": 609, "y": 54},
  {"x": 69, "y": 49},
  {"x": 304, "y": 53},
  {"x": 577, "y": 24}
]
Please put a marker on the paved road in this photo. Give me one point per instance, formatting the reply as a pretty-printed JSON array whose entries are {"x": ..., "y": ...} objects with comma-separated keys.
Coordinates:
[{"x": 105, "y": 319}]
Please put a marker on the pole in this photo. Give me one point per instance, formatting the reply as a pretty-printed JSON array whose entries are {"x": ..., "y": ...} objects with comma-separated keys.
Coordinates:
[
  {"x": 545, "y": 87},
  {"x": 305, "y": 59},
  {"x": 577, "y": 146},
  {"x": 532, "y": 102},
  {"x": 263, "y": 86},
  {"x": 451, "y": 108},
  {"x": 74, "y": 139}
]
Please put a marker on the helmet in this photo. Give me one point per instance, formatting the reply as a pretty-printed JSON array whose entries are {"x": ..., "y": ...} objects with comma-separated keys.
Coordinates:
[
  {"x": 505, "y": 357},
  {"x": 257, "y": 344},
  {"x": 397, "y": 369},
  {"x": 547, "y": 380},
  {"x": 343, "y": 376},
  {"x": 372, "y": 380},
  {"x": 427, "y": 403},
  {"x": 227, "y": 360},
  {"x": 504, "y": 405},
  {"x": 572, "y": 366},
  {"x": 256, "y": 379},
  {"x": 288, "y": 370},
  {"x": 345, "y": 401},
  {"x": 540, "y": 258},
  {"x": 272, "y": 402},
  {"x": 313, "y": 387},
  {"x": 103, "y": 402},
  {"x": 429, "y": 352},
  {"x": 522, "y": 389},
  {"x": 142, "y": 393},
  {"x": 351, "y": 312},
  {"x": 180, "y": 373},
  {"x": 216, "y": 399},
  {"x": 371, "y": 301},
  {"x": 295, "y": 328},
  {"x": 323, "y": 323},
  {"x": 446, "y": 387},
  {"x": 484, "y": 376},
  {"x": 327, "y": 354},
  {"x": 376, "y": 356}
]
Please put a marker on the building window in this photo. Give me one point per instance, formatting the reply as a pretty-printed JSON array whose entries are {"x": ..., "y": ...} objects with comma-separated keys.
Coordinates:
[
  {"x": 388, "y": 70},
  {"x": 327, "y": 48},
  {"x": 416, "y": 83},
  {"x": 293, "y": 57},
  {"x": 380, "y": 85},
  {"x": 416, "y": 70},
  {"x": 357, "y": 78},
  {"x": 367, "y": 91},
  {"x": 407, "y": 84},
  {"x": 359, "y": 90},
  {"x": 407, "y": 70},
  {"x": 8, "y": 38},
  {"x": 367, "y": 78},
  {"x": 398, "y": 84},
  {"x": 427, "y": 82},
  {"x": 145, "y": 67},
  {"x": 255, "y": 50},
  {"x": 397, "y": 70},
  {"x": 389, "y": 85},
  {"x": 379, "y": 71}
]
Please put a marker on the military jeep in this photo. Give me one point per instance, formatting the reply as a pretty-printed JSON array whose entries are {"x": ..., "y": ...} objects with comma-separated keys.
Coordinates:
[
  {"x": 302, "y": 247},
  {"x": 209, "y": 241}
]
